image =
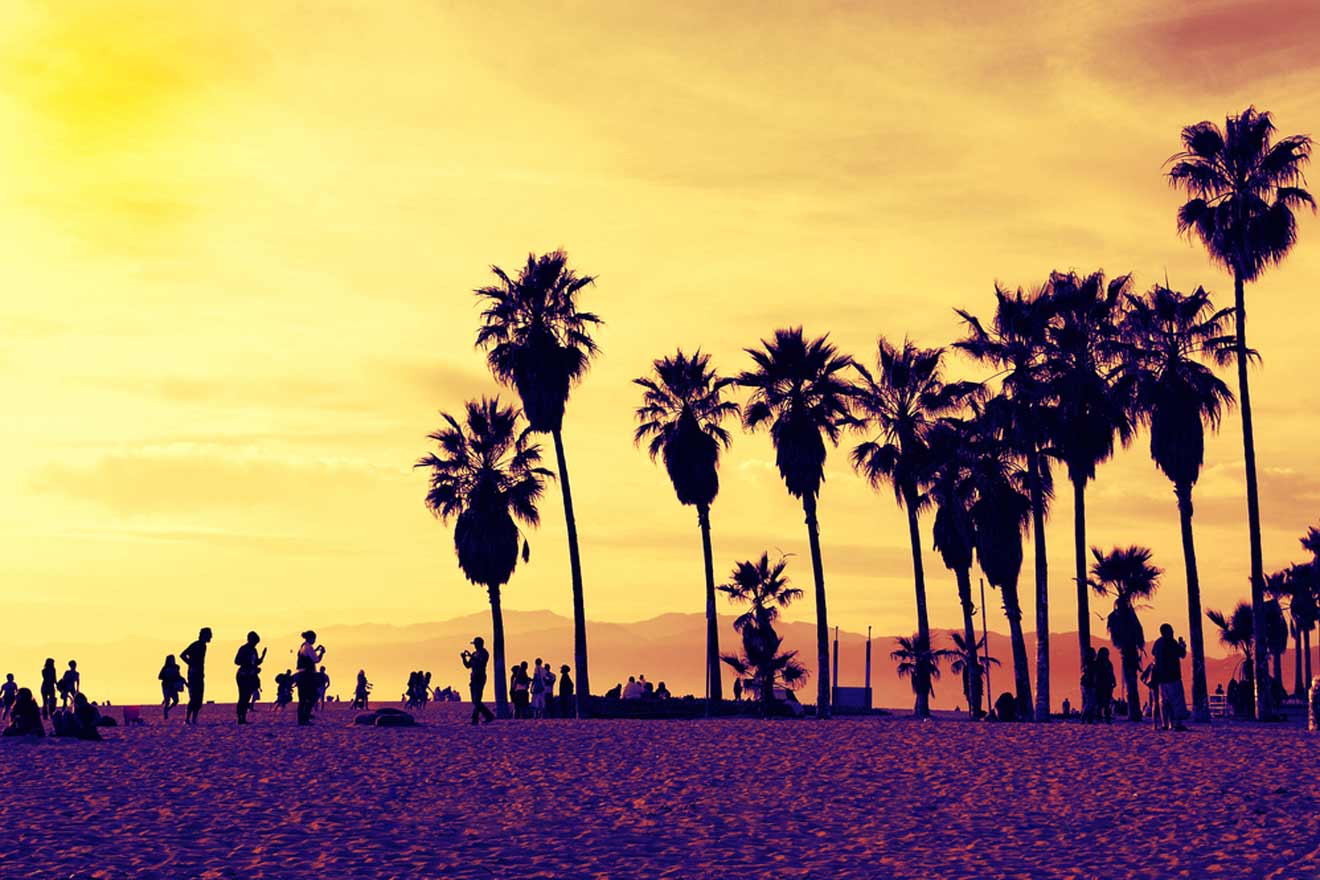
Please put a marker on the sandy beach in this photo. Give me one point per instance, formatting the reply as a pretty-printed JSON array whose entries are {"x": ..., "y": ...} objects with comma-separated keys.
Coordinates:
[{"x": 864, "y": 797}]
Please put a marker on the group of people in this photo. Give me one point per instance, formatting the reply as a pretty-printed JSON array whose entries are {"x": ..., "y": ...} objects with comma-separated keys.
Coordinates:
[
  {"x": 532, "y": 692},
  {"x": 1098, "y": 683},
  {"x": 638, "y": 688},
  {"x": 73, "y": 715}
]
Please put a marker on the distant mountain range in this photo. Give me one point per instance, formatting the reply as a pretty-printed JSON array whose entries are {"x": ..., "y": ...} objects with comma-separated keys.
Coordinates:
[{"x": 667, "y": 648}]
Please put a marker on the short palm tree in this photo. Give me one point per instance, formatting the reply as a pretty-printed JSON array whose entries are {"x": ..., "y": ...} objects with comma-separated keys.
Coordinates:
[
  {"x": 1243, "y": 187},
  {"x": 539, "y": 343},
  {"x": 1015, "y": 342},
  {"x": 1167, "y": 337},
  {"x": 1236, "y": 631},
  {"x": 1091, "y": 417},
  {"x": 902, "y": 401},
  {"x": 683, "y": 406},
  {"x": 1127, "y": 575},
  {"x": 487, "y": 478},
  {"x": 765, "y": 589},
  {"x": 1000, "y": 514},
  {"x": 919, "y": 662},
  {"x": 799, "y": 393},
  {"x": 971, "y": 662},
  {"x": 1307, "y": 599}
]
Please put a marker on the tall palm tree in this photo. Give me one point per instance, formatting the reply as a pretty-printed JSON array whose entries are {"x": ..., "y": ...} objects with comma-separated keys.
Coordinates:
[
  {"x": 1243, "y": 186},
  {"x": 1015, "y": 342},
  {"x": 1000, "y": 514},
  {"x": 902, "y": 401},
  {"x": 1090, "y": 415},
  {"x": 799, "y": 393},
  {"x": 765, "y": 589},
  {"x": 539, "y": 343},
  {"x": 487, "y": 478},
  {"x": 971, "y": 662},
  {"x": 1297, "y": 589},
  {"x": 919, "y": 661},
  {"x": 1167, "y": 337},
  {"x": 682, "y": 408},
  {"x": 1308, "y": 583},
  {"x": 953, "y": 493},
  {"x": 1127, "y": 575}
]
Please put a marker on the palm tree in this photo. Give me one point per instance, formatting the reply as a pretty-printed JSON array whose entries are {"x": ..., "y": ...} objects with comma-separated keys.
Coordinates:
[
  {"x": 799, "y": 394},
  {"x": 1297, "y": 589},
  {"x": 920, "y": 662},
  {"x": 970, "y": 661},
  {"x": 538, "y": 343},
  {"x": 1235, "y": 632},
  {"x": 902, "y": 401},
  {"x": 765, "y": 589},
  {"x": 1306, "y": 603},
  {"x": 1243, "y": 186},
  {"x": 953, "y": 493},
  {"x": 682, "y": 408},
  {"x": 487, "y": 478},
  {"x": 999, "y": 515},
  {"x": 1091, "y": 416},
  {"x": 1167, "y": 335},
  {"x": 1128, "y": 576},
  {"x": 1015, "y": 342}
]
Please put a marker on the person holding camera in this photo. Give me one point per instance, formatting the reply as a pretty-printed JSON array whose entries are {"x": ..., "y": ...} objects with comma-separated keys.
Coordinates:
[
  {"x": 308, "y": 676},
  {"x": 1166, "y": 676},
  {"x": 476, "y": 661}
]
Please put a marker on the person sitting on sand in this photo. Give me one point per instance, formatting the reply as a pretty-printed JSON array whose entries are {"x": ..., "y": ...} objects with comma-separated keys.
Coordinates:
[
  {"x": 307, "y": 677},
  {"x": 648, "y": 689},
  {"x": 8, "y": 693},
  {"x": 194, "y": 657},
  {"x": 1006, "y": 707},
  {"x": 661, "y": 692},
  {"x": 25, "y": 719},
  {"x": 360, "y": 690},
  {"x": 48, "y": 676},
  {"x": 171, "y": 684},
  {"x": 1105, "y": 682},
  {"x": 69, "y": 684},
  {"x": 615, "y": 693},
  {"x": 80, "y": 722},
  {"x": 248, "y": 675},
  {"x": 567, "y": 708},
  {"x": 632, "y": 690},
  {"x": 1167, "y": 676}
]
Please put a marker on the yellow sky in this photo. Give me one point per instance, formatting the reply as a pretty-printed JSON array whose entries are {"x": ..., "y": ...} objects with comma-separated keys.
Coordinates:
[{"x": 239, "y": 247}]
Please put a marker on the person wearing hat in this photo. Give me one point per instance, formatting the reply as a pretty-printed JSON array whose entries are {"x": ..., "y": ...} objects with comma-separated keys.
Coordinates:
[
  {"x": 476, "y": 661},
  {"x": 308, "y": 676},
  {"x": 194, "y": 657}
]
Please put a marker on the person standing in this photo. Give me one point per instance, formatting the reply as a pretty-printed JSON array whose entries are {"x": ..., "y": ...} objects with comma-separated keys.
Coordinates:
[
  {"x": 1105, "y": 682},
  {"x": 248, "y": 676},
  {"x": 171, "y": 684},
  {"x": 48, "y": 677},
  {"x": 476, "y": 662},
  {"x": 309, "y": 678},
  {"x": 194, "y": 657},
  {"x": 1088, "y": 686},
  {"x": 538, "y": 690},
  {"x": 361, "y": 690},
  {"x": 566, "y": 704},
  {"x": 1166, "y": 676},
  {"x": 550, "y": 701},
  {"x": 70, "y": 684},
  {"x": 737, "y": 690}
]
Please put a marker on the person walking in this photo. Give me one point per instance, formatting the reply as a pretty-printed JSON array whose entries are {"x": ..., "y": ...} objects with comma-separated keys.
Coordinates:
[
  {"x": 248, "y": 676},
  {"x": 1166, "y": 677},
  {"x": 475, "y": 661},
  {"x": 308, "y": 677},
  {"x": 171, "y": 685},
  {"x": 194, "y": 657}
]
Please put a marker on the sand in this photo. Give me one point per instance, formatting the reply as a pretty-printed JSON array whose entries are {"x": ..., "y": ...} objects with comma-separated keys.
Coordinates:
[{"x": 732, "y": 798}]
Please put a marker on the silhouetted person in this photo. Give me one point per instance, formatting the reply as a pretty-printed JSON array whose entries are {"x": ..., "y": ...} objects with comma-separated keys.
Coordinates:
[
  {"x": 8, "y": 693},
  {"x": 538, "y": 690},
  {"x": 1105, "y": 682},
  {"x": 83, "y": 720},
  {"x": 661, "y": 692},
  {"x": 284, "y": 689},
  {"x": 25, "y": 719},
  {"x": 1089, "y": 713},
  {"x": 737, "y": 690},
  {"x": 518, "y": 690},
  {"x": 566, "y": 705},
  {"x": 1006, "y": 707},
  {"x": 549, "y": 675},
  {"x": 171, "y": 684},
  {"x": 632, "y": 690},
  {"x": 48, "y": 677},
  {"x": 476, "y": 661},
  {"x": 360, "y": 690},
  {"x": 1167, "y": 676},
  {"x": 308, "y": 678},
  {"x": 69, "y": 684},
  {"x": 322, "y": 685},
  {"x": 248, "y": 675},
  {"x": 194, "y": 657}
]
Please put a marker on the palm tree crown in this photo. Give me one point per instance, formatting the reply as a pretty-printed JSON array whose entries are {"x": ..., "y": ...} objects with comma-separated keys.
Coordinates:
[
  {"x": 681, "y": 413},
  {"x": 1243, "y": 188},
  {"x": 763, "y": 587},
  {"x": 535, "y": 338},
  {"x": 797, "y": 390}
]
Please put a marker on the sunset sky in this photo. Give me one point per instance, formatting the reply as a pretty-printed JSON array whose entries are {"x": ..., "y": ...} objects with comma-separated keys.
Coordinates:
[{"x": 240, "y": 242}]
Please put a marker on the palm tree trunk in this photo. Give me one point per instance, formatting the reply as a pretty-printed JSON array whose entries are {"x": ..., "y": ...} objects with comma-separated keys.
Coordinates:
[
  {"x": 1042, "y": 588},
  {"x": 1306, "y": 651},
  {"x": 1298, "y": 689},
  {"x": 1260, "y": 636},
  {"x": 822, "y": 619},
  {"x": 922, "y": 671},
  {"x": 1278, "y": 667},
  {"x": 575, "y": 566},
  {"x": 1021, "y": 675},
  {"x": 714, "y": 691},
  {"x": 1129, "y": 657},
  {"x": 972, "y": 662},
  {"x": 1079, "y": 551},
  {"x": 1200, "y": 691},
  {"x": 497, "y": 648}
]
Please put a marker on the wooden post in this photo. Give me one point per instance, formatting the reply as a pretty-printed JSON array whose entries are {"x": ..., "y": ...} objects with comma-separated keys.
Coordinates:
[{"x": 868, "y": 669}]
